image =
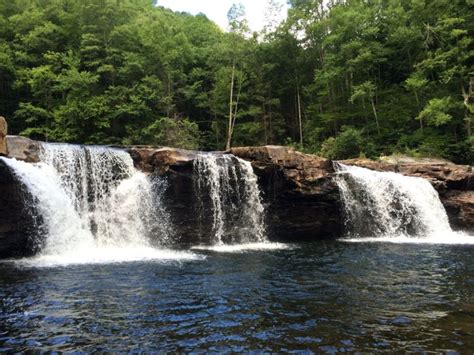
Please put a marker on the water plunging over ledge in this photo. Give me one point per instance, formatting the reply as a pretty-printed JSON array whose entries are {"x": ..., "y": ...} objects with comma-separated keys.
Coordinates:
[
  {"x": 387, "y": 206},
  {"x": 229, "y": 199},
  {"x": 95, "y": 206}
]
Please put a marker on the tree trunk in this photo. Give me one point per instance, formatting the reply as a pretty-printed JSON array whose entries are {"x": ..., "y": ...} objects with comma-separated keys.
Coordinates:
[
  {"x": 299, "y": 115},
  {"x": 467, "y": 96},
  {"x": 236, "y": 105},
  {"x": 375, "y": 115},
  {"x": 168, "y": 106},
  {"x": 418, "y": 106},
  {"x": 231, "y": 103},
  {"x": 264, "y": 119}
]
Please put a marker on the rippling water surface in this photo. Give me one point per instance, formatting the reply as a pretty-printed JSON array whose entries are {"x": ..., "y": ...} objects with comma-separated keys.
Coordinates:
[{"x": 324, "y": 297}]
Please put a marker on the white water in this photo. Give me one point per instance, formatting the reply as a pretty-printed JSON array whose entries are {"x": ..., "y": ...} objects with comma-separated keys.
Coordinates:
[
  {"x": 239, "y": 248},
  {"x": 391, "y": 207},
  {"x": 95, "y": 206},
  {"x": 229, "y": 187}
]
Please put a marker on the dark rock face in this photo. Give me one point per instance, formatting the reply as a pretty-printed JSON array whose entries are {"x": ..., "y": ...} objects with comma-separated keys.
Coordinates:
[
  {"x": 460, "y": 208},
  {"x": 18, "y": 220},
  {"x": 301, "y": 200},
  {"x": 176, "y": 167}
]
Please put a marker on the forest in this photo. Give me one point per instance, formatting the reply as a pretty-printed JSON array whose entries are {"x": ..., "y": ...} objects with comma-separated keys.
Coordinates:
[{"x": 342, "y": 79}]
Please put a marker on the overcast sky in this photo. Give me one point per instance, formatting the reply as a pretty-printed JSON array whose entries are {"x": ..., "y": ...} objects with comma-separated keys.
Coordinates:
[{"x": 216, "y": 10}]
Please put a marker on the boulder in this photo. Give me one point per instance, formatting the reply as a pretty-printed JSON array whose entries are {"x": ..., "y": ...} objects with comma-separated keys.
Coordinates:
[
  {"x": 3, "y": 135},
  {"x": 159, "y": 160},
  {"x": 22, "y": 148}
]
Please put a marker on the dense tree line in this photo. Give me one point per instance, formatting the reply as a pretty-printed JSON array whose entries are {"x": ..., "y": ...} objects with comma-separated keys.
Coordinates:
[{"x": 341, "y": 79}]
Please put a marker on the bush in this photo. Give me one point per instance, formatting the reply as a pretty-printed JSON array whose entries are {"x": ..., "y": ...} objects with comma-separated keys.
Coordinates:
[
  {"x": 348, "y": 144},
  {"x": 179, "y": 133}
]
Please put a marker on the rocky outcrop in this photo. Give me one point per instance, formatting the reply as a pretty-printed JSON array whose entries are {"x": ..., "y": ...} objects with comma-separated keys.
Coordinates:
[
  {"x": 460, "y": 208},
  {"x": 159, "y": 160},
  {"x": 301, "y": 200},
  {"x": 3, "y": 135},
  {"x": 301, "y": 197},
  {"x": 443, "y": 175},
  {"x": 22, "y": 148}
]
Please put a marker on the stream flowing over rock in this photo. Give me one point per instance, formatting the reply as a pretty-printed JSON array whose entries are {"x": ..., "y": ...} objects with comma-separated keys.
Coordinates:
[
  {"x": 300, "y": 193},
  {"x": 278, "y": 193}
]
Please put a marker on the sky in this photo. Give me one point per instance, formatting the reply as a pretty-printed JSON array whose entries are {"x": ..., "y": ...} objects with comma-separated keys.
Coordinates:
[{"x": 216, "y": 10}]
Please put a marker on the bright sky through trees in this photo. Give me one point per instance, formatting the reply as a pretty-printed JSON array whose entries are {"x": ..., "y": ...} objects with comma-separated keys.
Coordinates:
[{"x": 217, "y": 10}]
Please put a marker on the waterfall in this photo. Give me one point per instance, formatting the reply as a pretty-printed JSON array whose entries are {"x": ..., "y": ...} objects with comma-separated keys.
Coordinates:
[
  {"x": 229, "y": 199},
  {"x": 95, "y": 206},
  {"x": 390, "y": 205}
]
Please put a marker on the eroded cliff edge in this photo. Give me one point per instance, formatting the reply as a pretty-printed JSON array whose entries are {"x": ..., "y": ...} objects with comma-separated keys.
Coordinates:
[{"x": 299, "y": 191}]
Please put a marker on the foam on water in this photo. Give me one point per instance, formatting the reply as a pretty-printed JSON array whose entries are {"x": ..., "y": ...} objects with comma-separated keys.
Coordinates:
[
  {"x": 107, "y": 255},
  {"x": 453, "y": 238},
  {"x": 239, "y": 248}
]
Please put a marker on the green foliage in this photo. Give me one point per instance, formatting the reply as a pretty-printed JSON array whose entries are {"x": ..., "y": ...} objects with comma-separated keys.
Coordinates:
[
  {"x": 180, "y": 133},
  {"x": 365, "y": 90},
  {"x": 436, "y": 111},
  {"x": 348, "y": 144},
  {"x": 368, "y": 77}
]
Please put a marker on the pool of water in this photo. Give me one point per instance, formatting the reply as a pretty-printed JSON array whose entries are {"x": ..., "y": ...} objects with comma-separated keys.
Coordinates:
[{"x": 324, "y": 297}]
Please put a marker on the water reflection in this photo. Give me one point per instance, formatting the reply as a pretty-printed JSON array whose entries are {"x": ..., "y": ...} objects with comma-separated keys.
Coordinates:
[{"x": 319, "y": 297}]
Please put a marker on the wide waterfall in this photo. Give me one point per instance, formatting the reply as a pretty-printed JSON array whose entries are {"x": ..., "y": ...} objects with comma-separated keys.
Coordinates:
[
  {"x": 94, "y": 205},
  {"x": 391, "y": 206},
  {"x": 229, "y": 199}
]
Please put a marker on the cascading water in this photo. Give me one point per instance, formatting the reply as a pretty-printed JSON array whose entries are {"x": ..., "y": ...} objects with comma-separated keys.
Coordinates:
[
  {"x": 390, "y": 205},
  {"x": 95, "y": 206},
  {"x": 229, "y": 187}
]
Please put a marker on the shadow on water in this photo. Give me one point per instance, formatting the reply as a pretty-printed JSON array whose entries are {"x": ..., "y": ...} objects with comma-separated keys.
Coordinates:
[{"x": 329, "y": 296}]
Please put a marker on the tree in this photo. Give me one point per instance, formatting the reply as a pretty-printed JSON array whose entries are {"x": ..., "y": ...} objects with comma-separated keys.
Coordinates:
[{"x": 364, "y": 91}]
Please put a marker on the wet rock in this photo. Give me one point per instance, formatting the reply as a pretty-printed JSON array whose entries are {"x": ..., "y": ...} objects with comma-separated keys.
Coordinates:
[
  {"x": 299, "y": 192},
  {"x": 460, "y": 208},
  {"x": 3, "y": 135},
  {"x": 22, "y": 148},
  {"x": 18, "y": 224},
  {"x": 301, "y": 197}
]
